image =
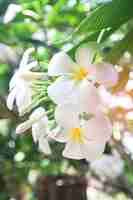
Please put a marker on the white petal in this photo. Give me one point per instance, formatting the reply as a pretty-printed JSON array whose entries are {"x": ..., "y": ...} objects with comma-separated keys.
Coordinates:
[
  {"x": 25, "y": 58},
  {"x": 98, "y": 128},
  {"x": 67, "y": 116},
  {"x": 60, "y": 64},
  {"x": 106, "y": 74},
  {"x": 73, "y": 151},
  {"x": 11, "y": 99},
  {"x": 127, "y": 141},
  {"x": 21, "y": 128},
  {"x": 44, "y": 146},
  {"x": 39, "y": 129},
  {"x": 113, "y": 101},
  {"x": 59, "y": 135},
  {"x": 11, "y": 12},
  {"x": 35, "y": 133},
  {"x": 62, "y": 91},
  {"x": 121, "y": 101},
  {"x": 39, "y": 122},
  {"x": 89, "y": 98},
  {"x": 106, "y": 97},
  {"x": 39, "y": 114},
  {"x": 14, "y": 80},
  {"x": 84, "y": 56},
  {"x": 129, "y": 85},
  {"x": 23, "y": 97},
  {"x": 129, "y": 115},
  {"x": 109, "y": 166},
  {"x": 92, "y": 150}
]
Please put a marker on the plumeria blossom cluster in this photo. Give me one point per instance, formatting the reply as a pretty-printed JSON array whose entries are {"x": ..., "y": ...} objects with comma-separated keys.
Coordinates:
[
  {"x": 80, "y": 111},
  {"x": 20, "y": 84}
]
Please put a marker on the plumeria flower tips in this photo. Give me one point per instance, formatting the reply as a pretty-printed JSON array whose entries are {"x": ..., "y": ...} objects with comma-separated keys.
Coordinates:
[
  {"x": 20, "y": 84},
  {"x": 38, "y": 121}
]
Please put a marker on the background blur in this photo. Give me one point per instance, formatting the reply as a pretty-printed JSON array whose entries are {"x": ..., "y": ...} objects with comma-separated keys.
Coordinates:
[{"x": 40, "y": 23}]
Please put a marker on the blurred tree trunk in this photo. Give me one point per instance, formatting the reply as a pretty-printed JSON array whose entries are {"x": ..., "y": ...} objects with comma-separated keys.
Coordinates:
[{"x": 61, "y": 188}]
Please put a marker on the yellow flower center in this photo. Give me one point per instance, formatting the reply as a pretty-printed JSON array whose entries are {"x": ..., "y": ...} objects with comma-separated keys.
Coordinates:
[
  {"x": 76, "y": 134},
  {"x": 80, "y": 74}
]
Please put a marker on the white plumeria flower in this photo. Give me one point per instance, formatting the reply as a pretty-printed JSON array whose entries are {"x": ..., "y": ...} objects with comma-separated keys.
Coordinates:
[
  {"x": 38, "y": 121},
  {"x": 85, "y": 139},
  {"x": 121, "y": 100},
  {"x": 108, "y": 166},
  {"x": 73, "y": 75},
  {"x": 20, "y": 84}
]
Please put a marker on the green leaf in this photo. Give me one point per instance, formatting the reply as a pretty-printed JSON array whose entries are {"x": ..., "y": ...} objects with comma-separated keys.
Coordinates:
[
  {"x": 110, "y": 15},
  {"x": 126, "y": 44}
]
